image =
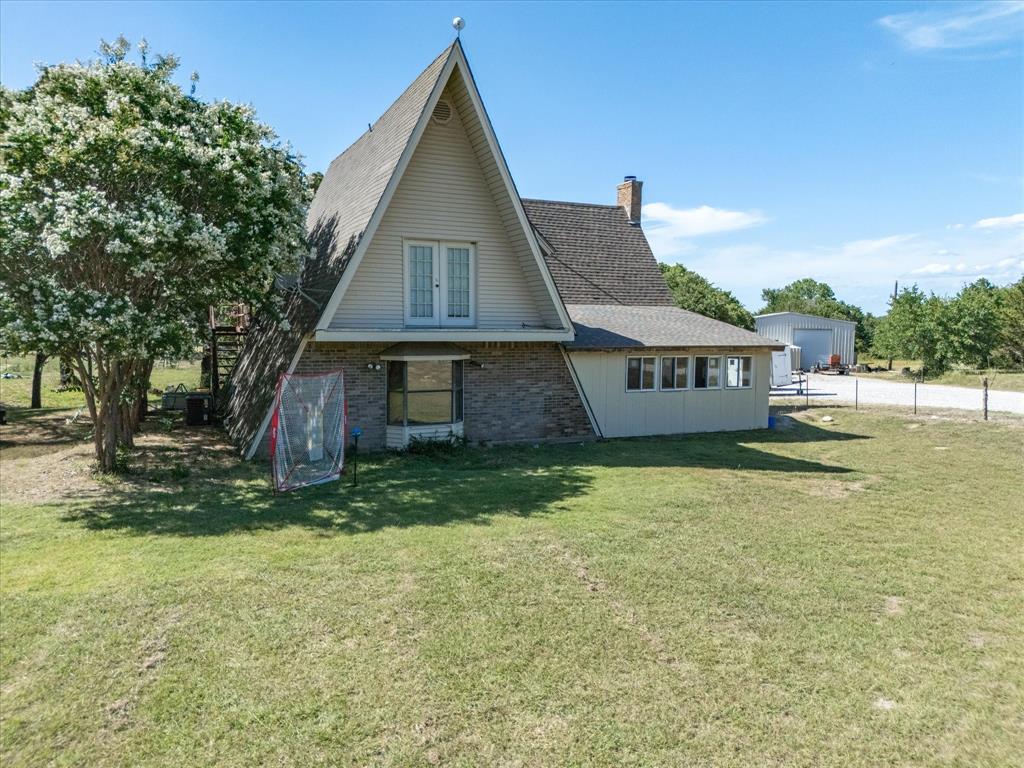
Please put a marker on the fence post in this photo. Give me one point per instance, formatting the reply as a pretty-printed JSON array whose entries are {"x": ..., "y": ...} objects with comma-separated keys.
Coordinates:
[
  {"x": 984, "y": 397},
  {"x": 807, "y": 390}
]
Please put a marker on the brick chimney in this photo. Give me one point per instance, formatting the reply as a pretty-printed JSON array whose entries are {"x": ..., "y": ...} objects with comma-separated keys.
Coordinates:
[{"x": 629, "y": 194}]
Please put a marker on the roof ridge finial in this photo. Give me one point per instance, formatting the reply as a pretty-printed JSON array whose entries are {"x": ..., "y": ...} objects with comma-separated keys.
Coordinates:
[{"x": 459, "y": 24}]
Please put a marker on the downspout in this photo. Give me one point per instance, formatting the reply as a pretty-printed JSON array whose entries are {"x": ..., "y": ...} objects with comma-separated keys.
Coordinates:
[{"x": 583, "y": 395}]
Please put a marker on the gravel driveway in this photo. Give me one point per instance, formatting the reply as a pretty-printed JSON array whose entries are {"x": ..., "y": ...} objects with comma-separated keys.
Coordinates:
[{"x": 875, "y": 391}]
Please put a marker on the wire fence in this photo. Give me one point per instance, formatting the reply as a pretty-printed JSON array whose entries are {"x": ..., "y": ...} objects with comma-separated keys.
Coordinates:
[{"x": 860, "y": 392}]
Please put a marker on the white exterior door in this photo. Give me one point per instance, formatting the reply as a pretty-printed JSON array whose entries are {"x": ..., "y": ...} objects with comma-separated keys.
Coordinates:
[
  {"x": 815, "y": 345},
  {"x": 440, "y": 283}
]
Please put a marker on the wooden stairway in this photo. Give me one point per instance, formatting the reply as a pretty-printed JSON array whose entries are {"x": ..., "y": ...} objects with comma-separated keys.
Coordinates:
[{"x": 227, "y": 334}]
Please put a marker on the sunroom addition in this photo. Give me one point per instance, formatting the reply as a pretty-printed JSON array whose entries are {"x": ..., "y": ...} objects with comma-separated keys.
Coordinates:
[{"x": 424, "y": 392}]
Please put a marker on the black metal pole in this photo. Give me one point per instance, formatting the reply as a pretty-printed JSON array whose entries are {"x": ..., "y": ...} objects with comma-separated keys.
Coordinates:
[
  {"x": 984, "y": 383},
  {"x": 355, "y": 461}
]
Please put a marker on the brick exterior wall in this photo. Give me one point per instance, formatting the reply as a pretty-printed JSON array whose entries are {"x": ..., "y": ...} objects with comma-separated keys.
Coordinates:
[
  {"x": 523, "y": 391},
  {"x": 365, "y": 389}
]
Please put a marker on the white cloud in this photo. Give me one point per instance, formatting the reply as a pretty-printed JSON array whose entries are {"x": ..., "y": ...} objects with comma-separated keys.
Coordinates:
[
  {"x": 866, "y": 247},
  {"x": 862, "y": 271},
  {"x": 1001, "y": 222},
  {"x": 958, "y": 27},
  {"x": 670, "y": 229},
  {"x": 940, "y": 269}
]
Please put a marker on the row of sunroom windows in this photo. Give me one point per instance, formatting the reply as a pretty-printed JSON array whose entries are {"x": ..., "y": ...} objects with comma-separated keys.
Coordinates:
[
  {"x": 697, "y": 372},
  {"x": 431, "y": 391}
]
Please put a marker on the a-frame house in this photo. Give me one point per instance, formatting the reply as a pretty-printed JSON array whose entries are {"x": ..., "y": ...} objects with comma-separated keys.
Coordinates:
[{"x": 448, "y": 301}]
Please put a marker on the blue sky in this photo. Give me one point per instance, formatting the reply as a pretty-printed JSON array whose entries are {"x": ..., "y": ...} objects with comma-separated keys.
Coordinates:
[{"x": 855, "y": 143}]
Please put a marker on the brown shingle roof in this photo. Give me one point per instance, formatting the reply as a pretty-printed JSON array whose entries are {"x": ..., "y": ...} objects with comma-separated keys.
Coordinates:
[
  {"x": 599, "y": 257},
  {"x": 355, "y": 180},
  {"x": 605, "y": 326}
]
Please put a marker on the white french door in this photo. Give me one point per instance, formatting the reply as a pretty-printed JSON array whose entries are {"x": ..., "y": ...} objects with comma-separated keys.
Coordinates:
[{"x": 440, "y": 283}]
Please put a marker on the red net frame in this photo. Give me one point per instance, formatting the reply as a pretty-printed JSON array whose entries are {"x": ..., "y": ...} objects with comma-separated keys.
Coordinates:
[{"x": 308, "y": 429}]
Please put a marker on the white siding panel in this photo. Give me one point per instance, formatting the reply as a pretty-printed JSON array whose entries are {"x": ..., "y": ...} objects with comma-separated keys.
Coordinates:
[
  {"x": 398, "y": 437},
  {"x": 492, "y": 174},
  {"x": 619, "y": 413},
  {"x": 443, "y": 195}
]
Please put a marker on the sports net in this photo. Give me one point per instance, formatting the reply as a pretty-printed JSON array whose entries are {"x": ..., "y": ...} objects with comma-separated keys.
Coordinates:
[{"x": 307, "y": 433}]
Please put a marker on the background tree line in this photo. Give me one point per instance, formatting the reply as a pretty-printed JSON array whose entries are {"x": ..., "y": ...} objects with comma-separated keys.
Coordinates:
[{"x": 982, "y": 326}]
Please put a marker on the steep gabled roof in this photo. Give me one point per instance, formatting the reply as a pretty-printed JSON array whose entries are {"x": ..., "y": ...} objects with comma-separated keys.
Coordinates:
[
  {"x": 343, "y": 216},
  {"x": 341, "y": 210},
  {"x": 468, "y": 101},
  {"x": 597, "y": 256},
  {"x": 356, "y": 179},
  {"x": 605, "y": 326}
]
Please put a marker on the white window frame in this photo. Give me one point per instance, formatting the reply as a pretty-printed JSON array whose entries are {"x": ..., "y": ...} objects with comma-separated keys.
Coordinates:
[
  {"x": 433, "y": 320},
  {"x": 443, "y": 255},
  {"x": 439, "y": 318},
  {"x": 458, "y": 390},
  {"x": 654, "y": 382},
  {"x": 693, "y": 376},
  {"x": 661, "y": 378},
  {"x": 741, "y": 385}
]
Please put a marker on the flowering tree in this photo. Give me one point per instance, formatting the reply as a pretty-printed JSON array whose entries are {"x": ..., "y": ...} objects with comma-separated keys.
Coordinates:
[{"x": 126, "y": 208}]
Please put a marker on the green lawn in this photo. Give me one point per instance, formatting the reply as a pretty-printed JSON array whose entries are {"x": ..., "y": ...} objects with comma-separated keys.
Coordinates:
[
  {"x": 1010, "y": 381},
  {"x": 18, "y": 392},
  {"x": 848, "y": 593}
]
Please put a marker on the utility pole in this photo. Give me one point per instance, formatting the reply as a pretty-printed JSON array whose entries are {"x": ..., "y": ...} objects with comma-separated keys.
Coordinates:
[{"x": 895, "y": 290}]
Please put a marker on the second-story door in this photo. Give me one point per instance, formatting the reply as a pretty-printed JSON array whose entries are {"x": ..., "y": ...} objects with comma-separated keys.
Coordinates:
[{"x": 440, "y": 283}]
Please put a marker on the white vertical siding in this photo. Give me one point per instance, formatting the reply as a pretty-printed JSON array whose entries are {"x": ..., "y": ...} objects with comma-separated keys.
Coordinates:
[
  {"x": 444, "y": 195},
  {"x": 782, "y": 325},
  {"x": 619, "y": 413}
]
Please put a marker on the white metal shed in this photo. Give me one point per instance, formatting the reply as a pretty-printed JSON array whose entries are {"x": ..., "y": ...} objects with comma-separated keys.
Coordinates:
[{"x": 817, "y": 337}]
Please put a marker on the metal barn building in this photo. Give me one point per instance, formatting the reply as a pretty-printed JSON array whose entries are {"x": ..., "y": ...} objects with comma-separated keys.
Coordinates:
[{"x": 818, "y": 338}]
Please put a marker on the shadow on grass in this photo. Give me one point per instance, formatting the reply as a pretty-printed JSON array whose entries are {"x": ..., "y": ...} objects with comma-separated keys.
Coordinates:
[
  {"x": 468, "y": 486},
  {"x": 32, "y": 432}
]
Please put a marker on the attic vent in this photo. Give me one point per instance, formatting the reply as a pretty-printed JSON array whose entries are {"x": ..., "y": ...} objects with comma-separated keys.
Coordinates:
[{"x": 442, "y": 112}]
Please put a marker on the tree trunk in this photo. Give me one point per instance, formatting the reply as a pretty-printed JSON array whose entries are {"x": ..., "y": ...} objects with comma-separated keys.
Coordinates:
[
  {"x": 127, "y": 423},
  {"x": 145, "y": 374},
  {"x": 37, "y": 381},
  {"x": 108, "y": 427},
  {"x": 104, "y": 395},
  {"x": 126, "y": 409},
  {"x": 112, "y": 398},
  {"x": 67, "y": 372},
  {"x": 87, "y": 385}
]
